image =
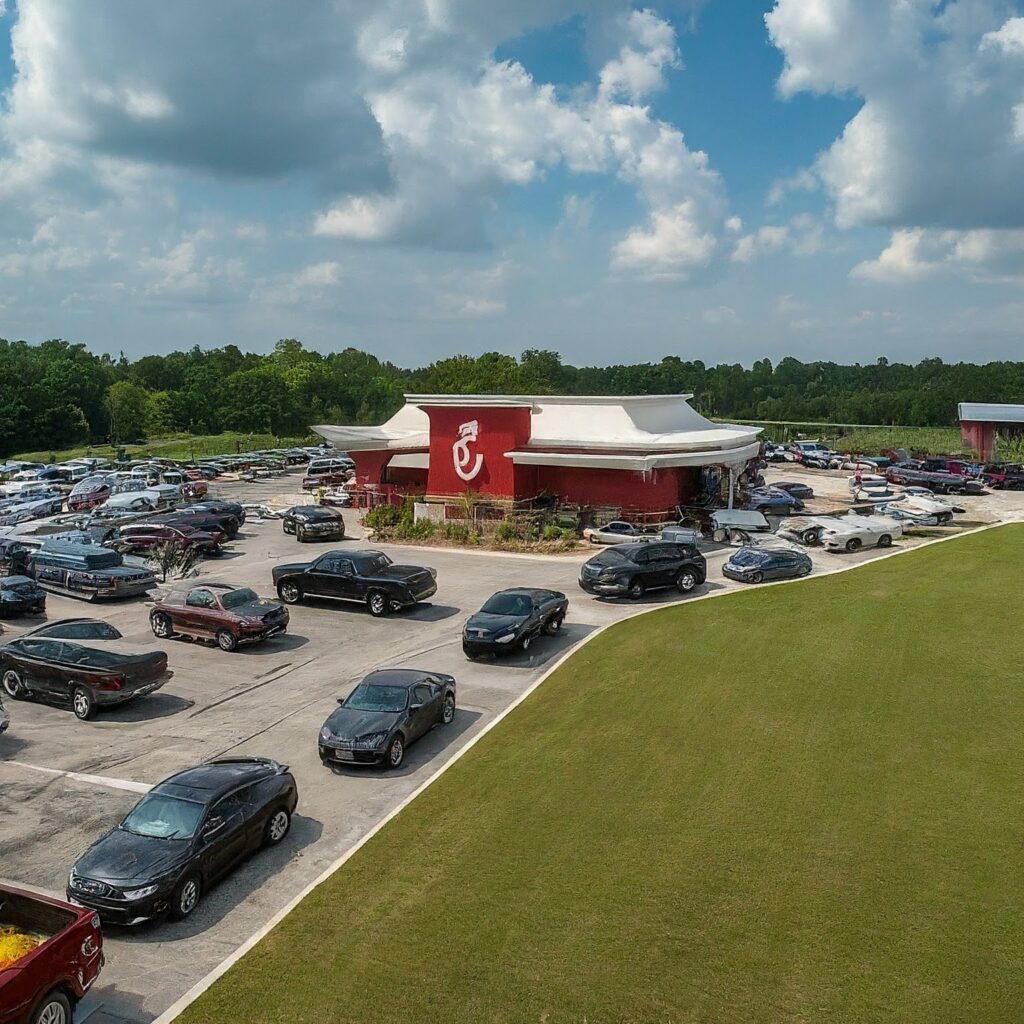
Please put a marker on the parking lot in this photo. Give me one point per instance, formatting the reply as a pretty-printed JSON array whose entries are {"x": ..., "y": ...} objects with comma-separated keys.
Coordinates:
[{"x": 267, "y": 699}]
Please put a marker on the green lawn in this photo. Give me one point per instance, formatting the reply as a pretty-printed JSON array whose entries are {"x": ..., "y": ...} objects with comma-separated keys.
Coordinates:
[
  {"x": 795, "y": 804},
  {"x": 180, "y": 446}
]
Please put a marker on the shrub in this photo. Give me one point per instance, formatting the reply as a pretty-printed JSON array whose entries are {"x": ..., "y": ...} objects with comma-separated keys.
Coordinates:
[
  {"x": 569, "y": 534},
  {"x": 551, "y": 532},
  {"x": 174, "y": 559},
  {"x": 506, "y": 531},
  {"x": 409, "y": 529},
  {"x": 458, "y": 532},
  {"x": 383, "y": 517}
]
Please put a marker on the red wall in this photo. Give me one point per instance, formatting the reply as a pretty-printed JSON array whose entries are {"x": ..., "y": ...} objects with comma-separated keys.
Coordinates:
[
  {"x": 500, "y": 430},
  {"x": 656, "y": 491},
  {"x": 979, "y": 436},
  {"x": 370, "y": 465}
]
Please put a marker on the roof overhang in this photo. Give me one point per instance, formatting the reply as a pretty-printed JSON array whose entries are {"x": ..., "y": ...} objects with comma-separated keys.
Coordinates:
[
  {"x": 990, "y": 412},
  {"x": 638, "y": 462}
]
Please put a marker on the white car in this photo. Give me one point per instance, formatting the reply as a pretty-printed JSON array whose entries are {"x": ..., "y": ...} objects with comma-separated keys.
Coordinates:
[
  {"x": 852, "y": 532},
  {"x": 617, "y": 532}
]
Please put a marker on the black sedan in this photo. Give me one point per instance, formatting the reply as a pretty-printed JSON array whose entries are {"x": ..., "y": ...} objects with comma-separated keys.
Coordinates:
[
  {"x": 389, "y": 710},
  {"x": 512, "y": 619},
  {"x": 314, "y": 522},
  {"x": 369, "y": 577},
  {"x": 755, "y": 565},
  {"x": 86, "y": 678},
  {"x": 19, "y": 595},
  {"x": 797, "y": 490},
  {"x": 183, "y": 835}
]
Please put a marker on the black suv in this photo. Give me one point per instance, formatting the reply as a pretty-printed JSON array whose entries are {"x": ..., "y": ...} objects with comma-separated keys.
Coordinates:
[{"x": 633, "y": 569}]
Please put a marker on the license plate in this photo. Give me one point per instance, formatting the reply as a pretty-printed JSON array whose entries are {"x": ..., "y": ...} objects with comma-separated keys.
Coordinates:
[{"x": 344, "y": 755}]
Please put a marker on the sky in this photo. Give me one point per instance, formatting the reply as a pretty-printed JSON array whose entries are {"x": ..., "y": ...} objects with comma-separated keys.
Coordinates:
[{"x": 723, "y": 180}]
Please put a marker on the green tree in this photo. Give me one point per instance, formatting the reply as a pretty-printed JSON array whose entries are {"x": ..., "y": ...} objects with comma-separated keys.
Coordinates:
[{"x": 127, "y": 406}]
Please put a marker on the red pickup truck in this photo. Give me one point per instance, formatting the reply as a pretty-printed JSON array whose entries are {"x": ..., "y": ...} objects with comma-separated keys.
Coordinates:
[{"x": 44, "y": 986}]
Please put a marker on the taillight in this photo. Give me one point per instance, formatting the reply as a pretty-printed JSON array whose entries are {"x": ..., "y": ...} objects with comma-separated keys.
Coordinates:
[{"x": 111, "y": 683}]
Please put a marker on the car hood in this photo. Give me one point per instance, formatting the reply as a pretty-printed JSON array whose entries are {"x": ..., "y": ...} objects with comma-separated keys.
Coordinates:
[
  {"x": 494, "y": 623},
  {"x": 289, "y": 567},
  {"x": 125, "y": 859},
  {"x": 347, "y": 723}
]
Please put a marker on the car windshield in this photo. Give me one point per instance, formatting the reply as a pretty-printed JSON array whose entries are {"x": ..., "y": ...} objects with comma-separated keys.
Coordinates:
[
  {"x": 508, "y": 604},
  {"x": 367, "y": 697},
  {"x": 164, "y": 817},
  {"x": 612, "y": 556},
  {"x": 747, "y": 556},
  {"x": 236, "y": 598}
]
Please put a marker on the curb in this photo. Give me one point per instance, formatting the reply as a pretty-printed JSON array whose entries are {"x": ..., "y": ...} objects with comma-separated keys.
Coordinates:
[{"x": 172, "y": 1012}]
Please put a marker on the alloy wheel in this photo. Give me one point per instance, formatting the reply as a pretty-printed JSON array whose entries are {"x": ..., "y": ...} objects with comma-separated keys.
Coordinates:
[
  {"x": 277, "y": 829},
  {"x": 188, "y": 897},
  {"x": 289, "y": 593},
  {"x": 448, "y": 711},
  {"x": 396, "y": 752},
  {"x": 53, "y": 1013},
  {"x": 12, "y": 684}
]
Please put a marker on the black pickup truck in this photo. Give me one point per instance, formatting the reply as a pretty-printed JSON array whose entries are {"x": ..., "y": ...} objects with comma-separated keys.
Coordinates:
[{"x": 369, "y": 577}]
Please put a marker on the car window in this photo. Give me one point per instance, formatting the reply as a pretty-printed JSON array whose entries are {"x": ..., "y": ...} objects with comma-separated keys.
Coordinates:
[
  {"x": 85, "y": 630},
  {"x": 421, "y": 694},
  {"x": 236, "y": 803},
  {"x": 344, "y": 566},
  {"x": 642, "y": 557},
  {"x": 200, "y": 599},
  {"x": 48, "y": 649}
]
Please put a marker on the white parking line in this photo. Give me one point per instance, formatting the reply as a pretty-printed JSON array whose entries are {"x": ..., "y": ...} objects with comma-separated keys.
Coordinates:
[{"x": 93, "y": 780}]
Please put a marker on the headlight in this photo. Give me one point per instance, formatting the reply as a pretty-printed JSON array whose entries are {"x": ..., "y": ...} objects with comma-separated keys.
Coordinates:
[
  {"x": 506, "y": 639},
  {"x": 140, "y": 894},
  {"x": 325, "y": 735},
  {"x": 373, "y": 739},
  {"x": 248, "y": 622}
]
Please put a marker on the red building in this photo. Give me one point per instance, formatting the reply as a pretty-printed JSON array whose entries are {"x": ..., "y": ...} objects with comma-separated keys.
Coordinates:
[
  {"x": 982, "y": 423},
  {"x": 643, "y": 452}
]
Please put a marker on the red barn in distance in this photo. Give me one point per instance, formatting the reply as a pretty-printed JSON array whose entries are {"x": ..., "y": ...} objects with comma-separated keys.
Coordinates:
[
  {"x": 643, "y": 452},
  {"x": 982, "y": 423}
]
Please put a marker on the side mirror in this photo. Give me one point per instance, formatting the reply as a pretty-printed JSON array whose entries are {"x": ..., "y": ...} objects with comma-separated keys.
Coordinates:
[
  {"x": 212, "y": 827},
  {"x": 341, "y": 700}
]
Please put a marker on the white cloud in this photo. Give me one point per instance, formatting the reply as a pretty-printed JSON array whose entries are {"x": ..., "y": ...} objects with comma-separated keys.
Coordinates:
[
  {"x": 803, "y": 181},
  {"x": 768, "y": 239},
  {"x": 983, "y": 255},
  {"x": 718, "y": 316},
  {"x": 577, "y": 211},
  {"x": 671, "y": 245},
  {"x": 935, "y": 143},
  {"x": 318, "y": 274},
  {"x": 787, "y": 307},
  {"x": 468, "y": 295}
]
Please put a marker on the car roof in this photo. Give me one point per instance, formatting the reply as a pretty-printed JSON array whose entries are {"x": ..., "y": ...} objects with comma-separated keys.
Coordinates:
[
  {"x": 206, "y": 782},
  {"x": 396, "y": 677},
  {"x": 540, "y": 591}
]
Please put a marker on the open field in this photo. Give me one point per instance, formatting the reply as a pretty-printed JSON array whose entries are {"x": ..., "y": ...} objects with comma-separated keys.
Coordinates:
[
  {"x": 798, "y": 804},
  {"x": 179, "y": 446}
]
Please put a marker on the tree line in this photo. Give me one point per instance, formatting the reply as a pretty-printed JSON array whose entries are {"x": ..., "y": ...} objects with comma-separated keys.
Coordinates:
[{"x": 58, "y": 394}]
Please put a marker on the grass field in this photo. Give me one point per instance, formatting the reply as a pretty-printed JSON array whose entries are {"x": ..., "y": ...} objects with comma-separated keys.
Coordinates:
[
  {"x": 181, "y": 446},
  {"x": 794, "y": 804}
]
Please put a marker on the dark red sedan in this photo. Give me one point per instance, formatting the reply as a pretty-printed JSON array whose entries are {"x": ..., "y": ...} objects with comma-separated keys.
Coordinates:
[
  {"x": 218, "y": 611},
  {"x": 141, "y": 538}
]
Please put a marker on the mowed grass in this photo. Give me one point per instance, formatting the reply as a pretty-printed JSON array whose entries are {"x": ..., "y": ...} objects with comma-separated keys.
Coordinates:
[{"x": 794, "y": 804}]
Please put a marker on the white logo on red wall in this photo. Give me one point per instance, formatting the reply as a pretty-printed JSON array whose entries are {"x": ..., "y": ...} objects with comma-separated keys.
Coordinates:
[{"x": 462, "y": 456}]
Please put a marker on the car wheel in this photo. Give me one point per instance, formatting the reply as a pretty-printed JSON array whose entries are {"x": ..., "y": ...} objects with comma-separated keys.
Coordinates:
[
  {"x": 161, "y": 625},
  {"x": 554, "y": 625},
  {"x": 83, "y": 703},
  {"x": 757, "y": 577},
  {"x": 13, "y": 686},
  {"x": 277, "y": 827},
  {"x": 378, "y": 603},
  {"x": 289, "y": 593},
  {"x": 805, "y": 570},
  {"x": 396, "y": 753},
  {"x": 944, "y": 518},
  {"x": 226, "y": 640},
  {"x": 300, "y": 534},
  {"x": 809, "y": 537},
  {"x": 186, "y": 896},
  {"x": 54, "y": 1009},
  {"x": 686, "y": 581},
  {"x": 448, "y": 710},
  {"x": 885, "y": 541},
  {"x": 853, "y": 544},
  {"x": 637, "y": 590}
]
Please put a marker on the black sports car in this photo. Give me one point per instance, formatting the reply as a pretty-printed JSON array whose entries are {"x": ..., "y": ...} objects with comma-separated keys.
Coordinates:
[
  {"x": 369, "y": 577},
  {"x": 390, "y": 709},
  {"x": 754, "y": 565},
  {"x": 182, "y": 836},
  {"x": 797, "y": 490},
  {"x": 314, "y": 522},
  {"x": 20, "y": 594},
  {"x": 86, "y": 678},
  {"x": 512, "y": 619}
]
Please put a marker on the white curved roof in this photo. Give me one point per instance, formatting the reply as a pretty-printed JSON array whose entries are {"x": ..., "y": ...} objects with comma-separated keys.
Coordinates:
[{"x": 652, "y": 424}]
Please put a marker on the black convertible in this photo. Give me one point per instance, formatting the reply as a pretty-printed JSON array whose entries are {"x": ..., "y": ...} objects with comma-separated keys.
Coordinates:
[
  {"x": 369, "y": 577},
  {"x": 512, "y": 619},
  {"x": 86, "y": 678},
  {"x": 387, "y": 711},
  {"x": 183, "y": 835}
]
